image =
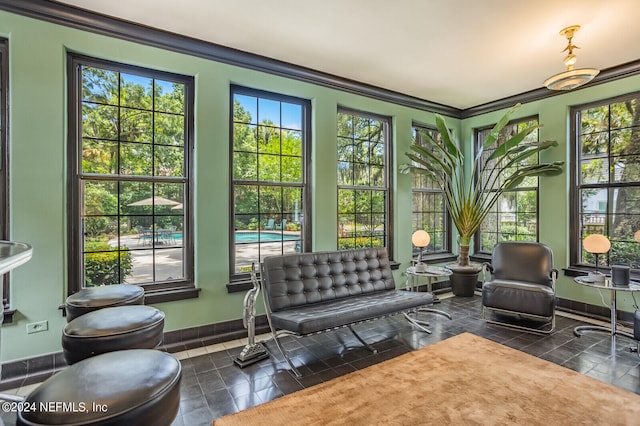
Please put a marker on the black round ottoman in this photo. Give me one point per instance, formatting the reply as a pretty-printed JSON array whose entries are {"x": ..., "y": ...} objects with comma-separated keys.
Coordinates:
[
  {"x": 130, "y": 387},
  {"x": 112, "y": 329},
  {"x": 93, "y": 298}
]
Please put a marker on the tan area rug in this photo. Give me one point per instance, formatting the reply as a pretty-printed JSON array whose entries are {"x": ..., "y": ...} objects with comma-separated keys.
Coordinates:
[{"x": 464, "y": 380}]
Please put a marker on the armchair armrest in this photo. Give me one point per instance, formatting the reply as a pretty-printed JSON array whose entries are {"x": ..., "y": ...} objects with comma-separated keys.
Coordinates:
[
  {"x": 554, "y": 277},
  {"x": 486, "y": 267}
]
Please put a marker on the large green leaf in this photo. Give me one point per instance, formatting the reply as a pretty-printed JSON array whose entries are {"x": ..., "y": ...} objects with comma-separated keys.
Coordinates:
[{"x": 467, "y": 204}]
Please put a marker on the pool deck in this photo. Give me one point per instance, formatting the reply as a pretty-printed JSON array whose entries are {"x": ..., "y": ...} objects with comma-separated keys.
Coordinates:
[{"x": 168, "y": 259}]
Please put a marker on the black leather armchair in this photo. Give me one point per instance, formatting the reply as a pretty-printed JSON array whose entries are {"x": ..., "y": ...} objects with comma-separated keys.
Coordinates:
[{"x": 522, "y": 285}]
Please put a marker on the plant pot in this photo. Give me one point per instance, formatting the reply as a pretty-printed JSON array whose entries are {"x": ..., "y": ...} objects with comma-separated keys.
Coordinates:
[{"x": 464, "y": 279}]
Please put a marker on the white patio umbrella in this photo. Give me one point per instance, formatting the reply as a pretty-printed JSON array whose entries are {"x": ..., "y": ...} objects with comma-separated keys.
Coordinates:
[{"x": 157, "y": 200}]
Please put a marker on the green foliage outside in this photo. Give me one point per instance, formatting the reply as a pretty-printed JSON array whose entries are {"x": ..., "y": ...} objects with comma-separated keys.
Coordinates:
[
  {"x": 104, "y": 265},
  {"x": 359, "y": 242}
]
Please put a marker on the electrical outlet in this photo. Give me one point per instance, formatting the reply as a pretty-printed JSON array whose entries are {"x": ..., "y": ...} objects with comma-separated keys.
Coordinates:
[{"x": 37, "y": 327}]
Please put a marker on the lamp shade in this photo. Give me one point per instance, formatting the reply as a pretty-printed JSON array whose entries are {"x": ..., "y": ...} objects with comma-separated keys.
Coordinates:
[
  {"x": 596, "y": 244},
  {"x": 420, "y": 238}
]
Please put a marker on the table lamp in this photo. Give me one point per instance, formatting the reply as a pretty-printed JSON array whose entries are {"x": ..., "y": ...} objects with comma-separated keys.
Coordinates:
[
  {"x": 420, "y": 239},
  {"x": 596, "y": 244}
]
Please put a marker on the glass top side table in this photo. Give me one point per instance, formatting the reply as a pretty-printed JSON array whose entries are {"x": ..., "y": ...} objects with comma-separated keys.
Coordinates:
[
  {"x": 613, "y": 289},
  {"x": 431, "y": 272}
]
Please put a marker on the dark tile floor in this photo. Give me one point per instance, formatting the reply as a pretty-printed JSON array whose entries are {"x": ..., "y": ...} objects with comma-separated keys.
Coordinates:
[{"x": 213, "y": 386}]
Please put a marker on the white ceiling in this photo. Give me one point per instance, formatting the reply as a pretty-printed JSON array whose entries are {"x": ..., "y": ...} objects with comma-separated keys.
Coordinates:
[{"x": 460, "y": 53}]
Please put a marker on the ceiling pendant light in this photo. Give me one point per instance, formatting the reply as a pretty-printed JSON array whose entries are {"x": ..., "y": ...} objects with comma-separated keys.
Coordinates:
[{"x": 571, "y": 78}]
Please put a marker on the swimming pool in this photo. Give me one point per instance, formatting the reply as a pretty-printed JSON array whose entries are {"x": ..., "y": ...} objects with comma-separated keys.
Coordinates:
[
  {"x": 263, "y": 237},
  {"x": 242, "y": 237}
]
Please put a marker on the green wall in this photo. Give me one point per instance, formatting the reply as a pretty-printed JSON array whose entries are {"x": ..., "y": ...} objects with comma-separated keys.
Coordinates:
[{"x": 38, "y": 171}]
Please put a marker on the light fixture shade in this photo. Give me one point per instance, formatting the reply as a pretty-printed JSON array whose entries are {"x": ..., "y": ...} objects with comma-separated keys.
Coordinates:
[
  {"x": 596, "y": 244},
  {"x": 420, "y": 238},
  {"x": 571, "y": 79}
]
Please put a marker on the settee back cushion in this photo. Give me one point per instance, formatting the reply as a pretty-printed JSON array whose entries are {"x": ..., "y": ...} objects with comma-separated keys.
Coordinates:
[
  {"x": 294, "y": 280},
  {"x": 522, "y": 261}
]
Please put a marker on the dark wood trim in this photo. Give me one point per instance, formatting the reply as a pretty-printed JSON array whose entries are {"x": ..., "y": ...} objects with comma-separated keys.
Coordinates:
[
  {"x": 84, "y": 20},
  {"x": 4, "y": 169}
]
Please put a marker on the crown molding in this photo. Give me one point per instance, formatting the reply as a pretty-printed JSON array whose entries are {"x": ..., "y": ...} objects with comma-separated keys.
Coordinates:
[{"x": 62, "y": 14}]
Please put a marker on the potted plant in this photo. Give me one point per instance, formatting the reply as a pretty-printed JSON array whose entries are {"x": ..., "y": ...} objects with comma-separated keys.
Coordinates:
[{"x": 467, "y": 201}]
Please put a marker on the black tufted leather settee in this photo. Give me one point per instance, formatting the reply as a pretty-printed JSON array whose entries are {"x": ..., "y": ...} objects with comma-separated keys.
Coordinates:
[{"x": 308, "y": 293}]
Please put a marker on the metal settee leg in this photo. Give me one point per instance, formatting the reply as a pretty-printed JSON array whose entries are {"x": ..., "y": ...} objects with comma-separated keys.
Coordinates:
[{"x": 361, "y": 340}]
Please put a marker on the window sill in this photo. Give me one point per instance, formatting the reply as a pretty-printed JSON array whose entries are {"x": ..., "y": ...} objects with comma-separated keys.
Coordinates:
[
  {"x": 170, "y": 295},
  {"x": 481, "y": 257},
  {"x": 439, "y": 258},
  {"x": 239, "y": 285},
  {"x": 579, "y": 270},
  {"x": 8, "y": 316}
]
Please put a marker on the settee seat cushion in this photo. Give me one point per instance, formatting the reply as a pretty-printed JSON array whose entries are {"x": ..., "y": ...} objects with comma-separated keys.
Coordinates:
[
  {"x": 519, "y": 296},
  {"x": 112, "y": 329},
  {"x": 93, "y": 298},
  {"x": 316, "y": 317},
  {"x": 130, "y": 387}
]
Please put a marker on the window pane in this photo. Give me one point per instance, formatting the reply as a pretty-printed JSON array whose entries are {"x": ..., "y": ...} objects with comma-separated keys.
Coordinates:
[
  {"x": 99, "y": 86},
  {"x": 169, "y": 97},
  {"x": 169, "y": 129},
  {"x": 136, "y": 159},
  {"x": 99, "y": 156},
  {"x": 99, "y": 121},
  {"x": 136, "y": 125},
  {"x": 168, "y": 161},
  {"x": 135, "y": 91}
]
